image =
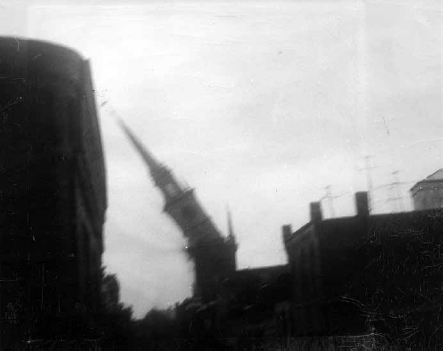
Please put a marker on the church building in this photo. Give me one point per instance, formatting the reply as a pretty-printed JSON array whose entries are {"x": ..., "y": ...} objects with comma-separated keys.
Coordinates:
[{"x": 213, "y": 253}]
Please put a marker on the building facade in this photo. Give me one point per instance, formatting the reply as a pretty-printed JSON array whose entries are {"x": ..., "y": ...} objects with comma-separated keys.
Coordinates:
[
  {"x": 368, "y": 273},
  {"x": 53, "y": 192}
]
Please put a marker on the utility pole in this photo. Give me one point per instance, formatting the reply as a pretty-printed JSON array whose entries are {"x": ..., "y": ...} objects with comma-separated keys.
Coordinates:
[{"x": 395, "y": 185}]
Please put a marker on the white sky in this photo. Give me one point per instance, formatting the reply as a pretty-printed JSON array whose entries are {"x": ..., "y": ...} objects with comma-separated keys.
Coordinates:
[{"x": 259, "y": 105}]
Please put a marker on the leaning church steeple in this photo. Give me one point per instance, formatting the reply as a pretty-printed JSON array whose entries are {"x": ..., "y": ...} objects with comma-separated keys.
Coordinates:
[
  {"x": 161, "y": 175},
  {"x": 154, "y": 166},
  {"x": 212, "y": 253}
]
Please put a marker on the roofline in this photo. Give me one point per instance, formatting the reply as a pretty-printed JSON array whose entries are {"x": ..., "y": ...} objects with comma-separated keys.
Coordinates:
[
  {"x": 269, "y": 267},
  {"x": 426, "y": 181},
  {"x": 44, "y": 42},
  {"x": 371, "y": 216},
  {"x": 438, "y": 170}
]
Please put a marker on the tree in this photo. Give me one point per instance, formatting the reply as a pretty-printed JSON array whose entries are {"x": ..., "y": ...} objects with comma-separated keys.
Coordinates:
[{"x": 116, "y": 318}]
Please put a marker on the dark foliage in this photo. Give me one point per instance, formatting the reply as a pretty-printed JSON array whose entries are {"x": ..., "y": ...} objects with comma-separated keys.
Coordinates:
[{"x": 116, "y": 322}]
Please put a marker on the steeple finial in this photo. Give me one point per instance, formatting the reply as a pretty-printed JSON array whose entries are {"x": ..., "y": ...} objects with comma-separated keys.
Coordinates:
[
  {"x": 153, "y": 164},
  {"x": 230, "y": 227}
]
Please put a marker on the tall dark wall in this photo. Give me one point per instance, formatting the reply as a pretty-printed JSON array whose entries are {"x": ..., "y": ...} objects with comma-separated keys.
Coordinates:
[
  {"x": 41, "y": 93},
  {"x": 378, "y": 273}
]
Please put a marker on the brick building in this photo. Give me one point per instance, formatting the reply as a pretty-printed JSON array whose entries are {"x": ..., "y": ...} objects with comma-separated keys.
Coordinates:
[
  {"x": 53, "y": 192},
  {"x": 354, "y": 275}
]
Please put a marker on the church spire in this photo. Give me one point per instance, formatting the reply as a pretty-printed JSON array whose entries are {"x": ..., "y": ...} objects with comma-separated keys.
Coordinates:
[
  {"x": 213, "y": 254},
  {"x": 230, "y": 227},
  {"x": 163, "y": 178},
  {"x": 154, "y": 166}
]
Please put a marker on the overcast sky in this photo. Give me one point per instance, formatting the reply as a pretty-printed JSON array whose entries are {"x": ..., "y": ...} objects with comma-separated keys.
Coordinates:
[{"x": 258, "y": 105}]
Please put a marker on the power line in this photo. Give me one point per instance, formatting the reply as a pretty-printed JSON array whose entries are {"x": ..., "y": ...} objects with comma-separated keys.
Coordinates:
[
  {"x": 377, "y": 188},
  {"x": 399, "y": 183}
]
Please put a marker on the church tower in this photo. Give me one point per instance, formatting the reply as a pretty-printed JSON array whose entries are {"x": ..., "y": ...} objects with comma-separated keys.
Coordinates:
[{"x": 213, "y": 254}]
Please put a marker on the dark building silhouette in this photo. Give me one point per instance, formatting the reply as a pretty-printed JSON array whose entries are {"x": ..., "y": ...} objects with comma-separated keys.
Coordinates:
[
  {"x": 251, "y": 306},
  {"x": 213, "y": 254},
  {"x": 363, "y": 281},
  {"x": 52, "y": 193},
  {"x": 110, "y": 292},
  {"x": 354, "y": 275},
  {"x": 427, "y": 194}
]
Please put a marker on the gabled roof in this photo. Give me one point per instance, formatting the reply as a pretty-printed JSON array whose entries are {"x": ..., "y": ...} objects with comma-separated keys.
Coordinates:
[
  {"x": 438, "y": 175},
  {"x": 434, "y": 177}
]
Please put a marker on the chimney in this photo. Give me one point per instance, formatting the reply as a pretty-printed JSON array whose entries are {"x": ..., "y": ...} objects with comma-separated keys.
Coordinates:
[
  {"x": 287, "y": 231},
  {"x": 316, "y": 215},
  {"x": 362, "y": 203}
]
